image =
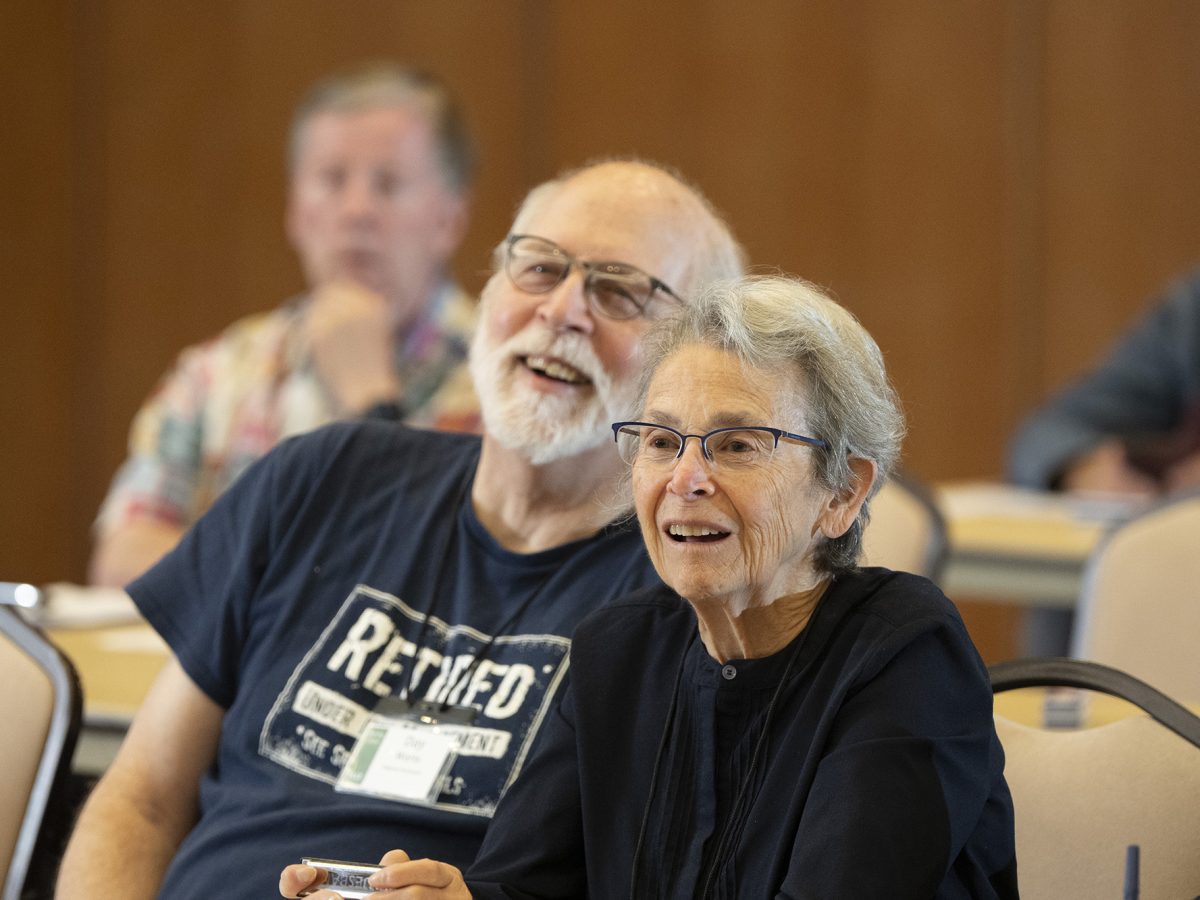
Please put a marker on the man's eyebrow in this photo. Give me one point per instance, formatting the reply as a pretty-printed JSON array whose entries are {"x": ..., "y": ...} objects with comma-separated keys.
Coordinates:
[{"x": 619, "y": 264}]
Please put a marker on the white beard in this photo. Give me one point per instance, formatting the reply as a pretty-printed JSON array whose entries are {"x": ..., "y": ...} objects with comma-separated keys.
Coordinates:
[{"x": 545, "y": 427}]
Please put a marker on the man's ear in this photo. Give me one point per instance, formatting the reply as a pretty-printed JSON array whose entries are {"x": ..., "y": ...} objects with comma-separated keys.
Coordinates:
[
  {"x": 842, "y": 510},
  {"x": 453, "y": 221},
  {"x": 292, "y": 226}
]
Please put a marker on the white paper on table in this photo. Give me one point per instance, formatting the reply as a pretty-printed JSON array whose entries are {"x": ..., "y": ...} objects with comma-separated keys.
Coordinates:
[
  {"x": 991, "y": 500},
  {"x": 66, "y": 605}
]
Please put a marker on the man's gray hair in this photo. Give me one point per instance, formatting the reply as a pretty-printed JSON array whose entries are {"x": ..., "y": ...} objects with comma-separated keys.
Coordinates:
[
  {"x": 384, "y": 85},
  {"x": 779, "y": 324},
  {"x": 713, "y": 252}
]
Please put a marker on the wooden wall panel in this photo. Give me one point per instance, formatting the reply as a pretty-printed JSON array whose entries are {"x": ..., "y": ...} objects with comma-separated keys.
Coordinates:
[
  {"x": 921, "y": 258},
  {"x": 1122, "y": 169},
  {"x": 36, "y": 347}
]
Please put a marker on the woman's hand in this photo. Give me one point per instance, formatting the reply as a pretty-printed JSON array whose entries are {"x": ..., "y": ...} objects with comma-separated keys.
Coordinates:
[
  {"x": 399, "y": 879},
  {"x": 405, "y": 879},
  {"x": 295, "y": 878}
]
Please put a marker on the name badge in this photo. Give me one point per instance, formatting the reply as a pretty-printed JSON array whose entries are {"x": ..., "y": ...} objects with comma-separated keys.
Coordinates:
[{"x": 404, "y": 756}]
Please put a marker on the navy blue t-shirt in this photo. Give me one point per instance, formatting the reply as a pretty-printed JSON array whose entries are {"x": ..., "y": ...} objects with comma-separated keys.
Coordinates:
[{"x": 302, "y": 598}]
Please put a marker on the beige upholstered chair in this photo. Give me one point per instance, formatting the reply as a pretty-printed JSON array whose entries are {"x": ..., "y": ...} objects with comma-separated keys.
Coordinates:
[
  {"x": 40, "y": 709},
  {"x": 1083, "y": 796},
  {"x": 906, "y": 532},
  {"x": 1140, "y": 605}
]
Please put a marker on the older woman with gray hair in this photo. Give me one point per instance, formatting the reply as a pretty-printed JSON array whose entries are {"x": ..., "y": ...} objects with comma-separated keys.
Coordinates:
[{"x": 775, "y": 721}]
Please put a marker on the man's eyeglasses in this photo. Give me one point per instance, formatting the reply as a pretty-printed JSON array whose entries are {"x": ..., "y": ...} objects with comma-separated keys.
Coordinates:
[
  {"x": 735, "y": 447},
  {"x": 615, "y": 290}
]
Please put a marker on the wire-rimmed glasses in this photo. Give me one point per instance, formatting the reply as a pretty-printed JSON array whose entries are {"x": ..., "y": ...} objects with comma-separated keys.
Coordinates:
[
  {"x": 736, "y": 446},
  {"x": 615, "y": 290}
]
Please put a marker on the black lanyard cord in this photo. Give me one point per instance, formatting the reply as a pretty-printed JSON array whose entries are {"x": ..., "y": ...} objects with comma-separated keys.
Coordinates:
[
  {"x": 465, "y": 675},
  {"x": 460, "y": 498},
  {"x": 443, "y": 703}
]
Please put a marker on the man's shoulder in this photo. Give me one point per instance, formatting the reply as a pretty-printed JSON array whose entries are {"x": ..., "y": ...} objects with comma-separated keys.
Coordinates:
[
  {"x": 375, "y": 436},
  {"x": 266, "y": 333},
  {"x": 1178, "y": 313},
  {"x": 261, "y": 325},
  {"x": 369, "y": 449},
  {"x": 1185, "y": 287}
]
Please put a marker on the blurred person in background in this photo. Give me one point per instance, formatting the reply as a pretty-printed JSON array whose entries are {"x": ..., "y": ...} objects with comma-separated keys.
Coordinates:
[
  {"x": 380, "y": 171},
  {"x": 1131, "y": 425}
]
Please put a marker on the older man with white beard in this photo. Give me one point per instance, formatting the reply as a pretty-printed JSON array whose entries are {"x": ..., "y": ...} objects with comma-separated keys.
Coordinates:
[{"x": 369, "y": 629}]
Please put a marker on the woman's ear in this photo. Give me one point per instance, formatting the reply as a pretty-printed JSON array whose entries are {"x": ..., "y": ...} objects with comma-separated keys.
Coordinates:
[{"x": 843, "y": 509}]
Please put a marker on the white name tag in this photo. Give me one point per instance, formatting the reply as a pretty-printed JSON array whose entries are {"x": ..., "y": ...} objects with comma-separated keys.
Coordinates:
[{"x": 400, "y": 759}]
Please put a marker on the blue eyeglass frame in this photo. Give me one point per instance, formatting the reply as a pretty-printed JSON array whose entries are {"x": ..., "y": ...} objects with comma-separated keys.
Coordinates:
[
  {"x": 776, "y": 433},
  {"x": 589, "y": 269}
]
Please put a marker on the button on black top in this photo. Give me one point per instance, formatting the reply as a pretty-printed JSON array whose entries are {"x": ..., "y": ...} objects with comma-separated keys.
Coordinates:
[{"x": 729, "y": 673}]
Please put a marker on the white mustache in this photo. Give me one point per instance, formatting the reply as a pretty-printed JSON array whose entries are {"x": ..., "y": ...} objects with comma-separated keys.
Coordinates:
[{"x": 570, "y": 348}]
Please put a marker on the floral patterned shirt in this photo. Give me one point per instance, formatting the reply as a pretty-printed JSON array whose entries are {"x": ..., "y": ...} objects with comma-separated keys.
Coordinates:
[{"x": 230, "y": 400}]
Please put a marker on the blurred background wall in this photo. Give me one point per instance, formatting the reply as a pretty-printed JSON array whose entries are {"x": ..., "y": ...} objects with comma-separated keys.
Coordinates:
[{"x": 996, "y": 187}]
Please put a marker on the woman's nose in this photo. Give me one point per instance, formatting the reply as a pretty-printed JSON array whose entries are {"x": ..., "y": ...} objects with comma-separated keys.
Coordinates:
[{"x": 692, "y": 475}]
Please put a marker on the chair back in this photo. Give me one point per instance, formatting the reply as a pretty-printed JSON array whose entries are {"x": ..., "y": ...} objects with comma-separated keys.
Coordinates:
[
  {"x": 1139, "y": 607},
  {"x": 40, "y": 707},
  {"x": 906, "y": 532},
  {"x": 1083, "y": 796}
]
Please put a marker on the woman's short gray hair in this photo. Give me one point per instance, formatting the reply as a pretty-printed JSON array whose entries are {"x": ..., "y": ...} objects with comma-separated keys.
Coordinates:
[{"x": 776, "y": 323}]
